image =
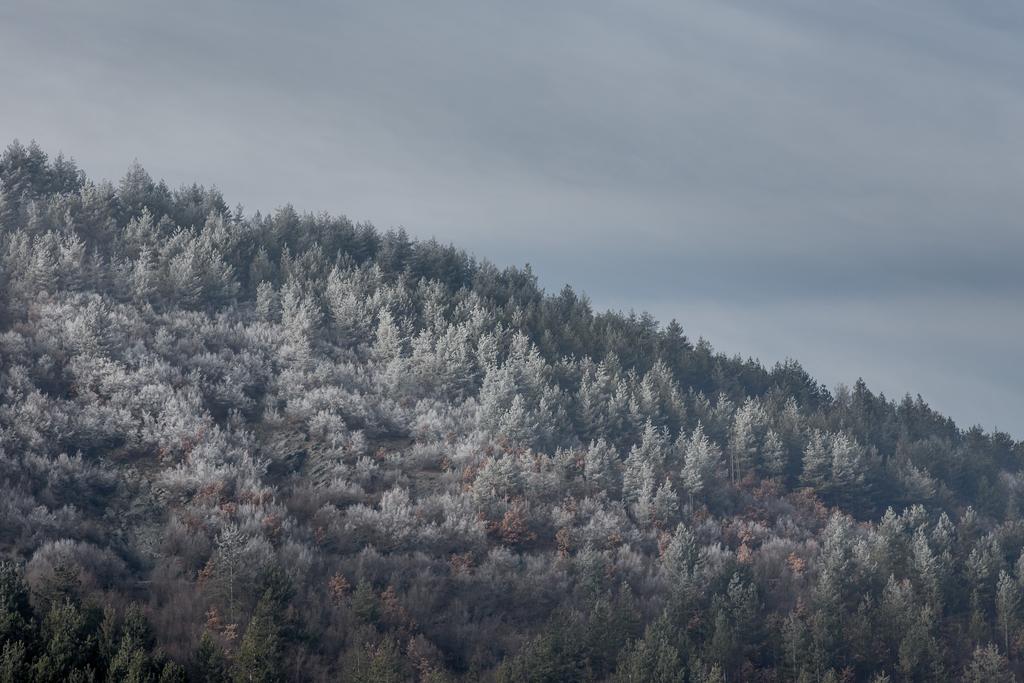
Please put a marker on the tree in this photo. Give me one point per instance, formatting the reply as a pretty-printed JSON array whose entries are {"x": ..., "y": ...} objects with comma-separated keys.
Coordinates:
[
  {"x": 699, "y": 463},
  {"x": 744, "y": 438},
  {"x": 557, "y": 653},
  {"x": 988, "y": 665},
  {"x": 365, "y": 603},
  {"x": 16, "y": 618},
  {"x": 228, "y": 565},
  {"x": 42, "y": 272},
  {"x": 131, "y": 661},
  {"x": 920, "y": 655},
  {"x": 665, "y": 505},
  {"x": 261, "y": 653},
  {"x": 71, "y": 644},
  {"x": 1007, "y": 606},
  {"x": 593, "y": 400},
  {"x": 817, "y": 461},
  {"x": 268, "y": 306},
  {"x": 776, "y": 458},
  {"x": 927, "y": 570},
  {"x": 847, "y": 470},
  {"x": 14, "y": 663},
  {"x": 374, "y": 661},
  {"x": 300, "y": 316},
  {"x": 652, "y": 659},
  {"x": 600, "y": 467},
  {"x": 210, "y": 665},
  {"x": 638, "y": 479},
  {"x": 607, "y": 631},
  {"x": 24, "y": 171}
]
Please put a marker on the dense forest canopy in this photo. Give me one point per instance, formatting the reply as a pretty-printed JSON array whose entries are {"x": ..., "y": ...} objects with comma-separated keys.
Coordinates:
[{"x": 289, "y": 446}]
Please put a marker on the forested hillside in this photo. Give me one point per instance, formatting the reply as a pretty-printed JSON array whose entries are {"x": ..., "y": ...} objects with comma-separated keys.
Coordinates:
[{"x": 268, "y": 447}]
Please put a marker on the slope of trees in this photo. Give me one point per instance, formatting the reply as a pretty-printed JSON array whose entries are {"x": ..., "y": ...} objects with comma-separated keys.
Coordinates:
[{"x": 290, "y": 447}]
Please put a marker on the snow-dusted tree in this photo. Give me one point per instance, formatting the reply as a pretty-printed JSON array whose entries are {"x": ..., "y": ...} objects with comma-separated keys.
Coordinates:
[
  {"x": 184, "y": 280},
  {"x": 42, "y": 271},
  {"x": 348, "y": 299},
  {"x": 680, "y": 561},
  {"x": 1008, "y": 601},
  {"x": 227, "y": 564},
  {"x": 644, "y": 465},
  {"x": 517, "y": 424},
  {"x": 664, "y": 507},
  {"x": 72, "y": 262},
  {"x": 593, "y": 398},
  {"x": 775, "y": 457},
  {"x": 601, "y": 467},
  {"x": 268, "y": 305},
  {"x": 300, "y": 317},
  {"x": 847, "y": 462},
  {"x": 988, "y": 665},
  {"x": 658, "y": 399},
  {"x": 144, "y": 277},
  {"x": 817, "y": 461},
  {"x": 927, "y": 571},
  {"x": 744, "y": 438},
  {"x": 700, "y": 464}
]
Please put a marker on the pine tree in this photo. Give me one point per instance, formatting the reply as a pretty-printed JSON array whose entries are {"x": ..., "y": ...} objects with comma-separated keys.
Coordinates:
[
  {"x": 988, "y": 665},
  {"x": 184, "y": 280},
  {"x": 847, "y": 471},
  {"x": 643, "y": 465},
  {"x": 71, "y": 647},
  {"x": 600, "y": 468},
  {"x": 228, "y": 566},
  {"x": 665, "y": 505},
  {"x": 652, "y": 659},
  {"x": 365, "y": 603},
  {"x": 920, "y": 655},
  {"x": 16, "y": 619},
  {"x": 926, "y": 570},
  {"x": 261, "y": 652},
  {"x": 1007, "y": 606},
  {"x": 374, "y": 662},
  {"x": 210, "y": 664},
  {"x": 681, "y": 555},
  {"x": 42, "y": 271},
  {"x": 817, "y": 462},
  {"x": 300, "y": 317},
  {"x": 699, "y": 463},
  {"x": 592, "y": 401},
  {"x": 776, "y": 459},
  {"x": 744, "y": 436},
  {"x": 268, "y": 307},
  {"x": 14, "y": 663}
]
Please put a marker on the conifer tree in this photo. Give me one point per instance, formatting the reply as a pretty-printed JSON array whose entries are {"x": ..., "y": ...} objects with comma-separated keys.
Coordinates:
[
  {"x": 817, "y": 462},
  {"x": 700, "y": 463},
  {"x": 776, "y": 458},
  {"x": 260, "y": 653}
]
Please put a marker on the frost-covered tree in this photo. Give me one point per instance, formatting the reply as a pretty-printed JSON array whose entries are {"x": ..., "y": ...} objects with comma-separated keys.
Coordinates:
[
  {"x": 817, "y": 461},
  {"x": 775, "y": 456},
  {"x": 700, "y": 464},
  {"x": 744, "y": 439},
  {"x": 601, "y": 467}
]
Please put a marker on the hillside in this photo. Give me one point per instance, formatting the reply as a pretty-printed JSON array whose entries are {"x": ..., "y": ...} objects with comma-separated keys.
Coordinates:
[{"x": 255, "y": 448}]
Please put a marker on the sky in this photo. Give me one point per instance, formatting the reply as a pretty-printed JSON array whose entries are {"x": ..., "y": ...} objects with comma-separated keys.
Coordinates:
[{"x": 841, "y": 183}]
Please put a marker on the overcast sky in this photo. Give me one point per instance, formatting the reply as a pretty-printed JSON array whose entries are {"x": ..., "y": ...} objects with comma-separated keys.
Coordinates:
[{"x": 837, "y": 182}]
